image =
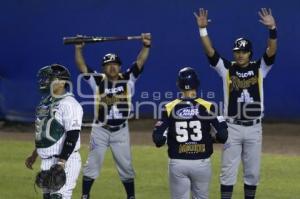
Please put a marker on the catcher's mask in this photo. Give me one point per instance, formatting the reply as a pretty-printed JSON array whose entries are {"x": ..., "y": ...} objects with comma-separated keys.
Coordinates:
[
  {"x": 53, "y": 179},
  {"x": 49, "y": 73},
  {"x": 187, "y": 79},
  {"x": 111, "y": 58}
]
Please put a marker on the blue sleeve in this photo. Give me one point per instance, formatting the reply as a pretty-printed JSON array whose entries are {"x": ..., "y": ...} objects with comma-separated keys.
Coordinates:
[
  {"x": 220, "y": 125},
  {"x": 269, "y": 60},
  {"x": 134, "y": 70},
  {"x": 213, "y": 61},
  {"x": 87, "y": 76},
  {"x": 161, "y": 126}
]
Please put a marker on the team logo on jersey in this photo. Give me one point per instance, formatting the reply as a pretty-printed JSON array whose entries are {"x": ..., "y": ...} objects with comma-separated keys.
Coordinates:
[
  {"x": 236, "y": 83},
  {"x": 114, "y": 90},
  {"x": 246, "y": 74},
  {"x": 187, "y": 112},
  {"x": 75, "y": 124}
]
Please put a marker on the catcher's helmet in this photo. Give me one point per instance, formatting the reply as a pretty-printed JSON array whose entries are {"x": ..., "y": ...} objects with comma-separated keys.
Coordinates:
[
  {"x": 51, "y": 72},
  {"x": 242, "y": 44},
  {"x": 187, "y": 79},
  {"x": 111, "y": 58}
]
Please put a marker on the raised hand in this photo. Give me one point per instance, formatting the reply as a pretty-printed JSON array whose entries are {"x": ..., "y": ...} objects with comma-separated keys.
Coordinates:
[
  {"x": 201, "y": 18},
  {"x": 146, "y": 39},
  {"x": 81, "y": 45},
  {"x": 266, "y": 18}
]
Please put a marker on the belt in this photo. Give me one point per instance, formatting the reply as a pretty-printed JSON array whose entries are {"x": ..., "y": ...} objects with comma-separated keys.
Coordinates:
[
  {"x": 55, "y": 156},
  {"x": 189, "y": 160},
  {"x": 114, "y": 128},
  {"x": 243, "y": 122}
]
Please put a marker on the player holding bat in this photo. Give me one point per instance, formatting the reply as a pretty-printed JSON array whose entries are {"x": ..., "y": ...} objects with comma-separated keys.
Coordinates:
[
  {"x": 113, "y": 91},
  {"x": 79, "y": 39}
]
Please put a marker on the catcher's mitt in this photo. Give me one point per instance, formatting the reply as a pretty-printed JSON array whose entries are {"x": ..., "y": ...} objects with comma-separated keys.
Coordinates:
[{"x": 52, "y": 179}]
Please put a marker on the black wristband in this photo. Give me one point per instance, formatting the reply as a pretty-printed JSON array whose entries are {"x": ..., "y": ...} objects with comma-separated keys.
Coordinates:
[
  {"x": 147, "y": 46},
  {"x": 69, "y": 144},
  {"x": 273, "y": 33}
]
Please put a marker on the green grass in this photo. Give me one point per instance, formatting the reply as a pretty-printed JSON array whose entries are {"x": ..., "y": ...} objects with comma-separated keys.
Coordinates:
[{"x": 280, "y": 175}]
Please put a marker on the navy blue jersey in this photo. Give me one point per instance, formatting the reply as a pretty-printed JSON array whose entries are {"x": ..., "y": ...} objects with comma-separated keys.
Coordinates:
[
  {"x": 243, "y": 87},
  {"x": 187, "y": 123},
  {"x": 113, "y": 99}
]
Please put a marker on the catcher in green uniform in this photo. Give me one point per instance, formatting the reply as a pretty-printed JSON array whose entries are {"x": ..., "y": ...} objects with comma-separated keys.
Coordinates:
[{"x": 57, "y": 138}]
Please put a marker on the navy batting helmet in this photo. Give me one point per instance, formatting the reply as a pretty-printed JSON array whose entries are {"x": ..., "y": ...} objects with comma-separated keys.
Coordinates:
[
  {"x": 187, "y": 79},
  {"x": 51, "y": 72},
  {"x": 242, "y": 44},
  {"x": 111, "y": 58}
]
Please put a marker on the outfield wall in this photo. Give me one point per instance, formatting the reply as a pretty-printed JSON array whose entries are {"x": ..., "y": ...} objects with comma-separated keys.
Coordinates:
[{"x": 32, "y": 32}]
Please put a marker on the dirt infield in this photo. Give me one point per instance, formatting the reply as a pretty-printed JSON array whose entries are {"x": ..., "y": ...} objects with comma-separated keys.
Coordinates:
[{"x": 279, "y": 138}]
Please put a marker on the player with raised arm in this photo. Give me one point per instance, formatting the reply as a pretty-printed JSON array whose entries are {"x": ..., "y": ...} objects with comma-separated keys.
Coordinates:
[
  {"x": 243, "y": 102},
  {"x": 112, "y": 96}
]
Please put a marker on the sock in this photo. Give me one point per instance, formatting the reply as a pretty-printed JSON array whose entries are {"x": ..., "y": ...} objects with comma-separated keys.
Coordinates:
[
  {"x": 129, "y": 188},
  {"x": 86, "y": 187},
  {"x": 46, "y": 196},
  {"x": 226, "y": 191},
  {"x": 249, "y": 191}
]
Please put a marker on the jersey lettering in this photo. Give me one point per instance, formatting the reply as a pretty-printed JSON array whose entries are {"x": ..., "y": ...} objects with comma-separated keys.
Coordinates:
[
  {"x": 182, "y": 132},
  {"x": 245, "y": 97},
  {"x": 114, "y": 113}
]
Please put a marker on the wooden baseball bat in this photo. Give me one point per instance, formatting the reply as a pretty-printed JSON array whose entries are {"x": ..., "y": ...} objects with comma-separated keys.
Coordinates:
[{"x": 96, "y": 39}]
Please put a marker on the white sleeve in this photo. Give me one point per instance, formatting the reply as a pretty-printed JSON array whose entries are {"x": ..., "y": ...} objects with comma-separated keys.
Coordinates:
[
  {"x": 132, "y": 78},
  {"x": 132, "y": 74},
  {"x": 72, "y": 114},
  {"x": 131, "y": 85},
  {"x": 220, "y": 68},
  {"x": 219, "y": 64},
  {"x": 265, "y": 69}
]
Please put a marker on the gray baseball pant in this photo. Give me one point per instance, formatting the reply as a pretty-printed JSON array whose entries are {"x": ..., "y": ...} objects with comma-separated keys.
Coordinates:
[{"x": 187, "y": 176}]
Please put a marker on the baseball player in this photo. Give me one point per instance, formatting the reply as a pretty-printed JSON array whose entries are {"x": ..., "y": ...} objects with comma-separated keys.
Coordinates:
[
  {"x": 243, "y": 103},
  {"x": 113, "y": 91},
  {"x": 58, "y": 123},
  {"x": 187, "y": 122}
]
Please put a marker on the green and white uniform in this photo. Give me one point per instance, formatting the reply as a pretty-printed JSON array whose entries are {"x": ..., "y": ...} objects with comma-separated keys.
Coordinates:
[{"x": 54, "y": 117}]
